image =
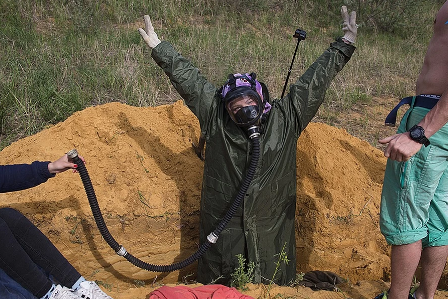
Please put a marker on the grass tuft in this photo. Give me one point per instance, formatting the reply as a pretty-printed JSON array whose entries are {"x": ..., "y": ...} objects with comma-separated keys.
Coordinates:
[{"x": 61, "y": 57}]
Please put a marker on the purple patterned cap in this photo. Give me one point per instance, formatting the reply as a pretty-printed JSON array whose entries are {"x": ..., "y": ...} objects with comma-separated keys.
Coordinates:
[{"x": 241, "y": 80}]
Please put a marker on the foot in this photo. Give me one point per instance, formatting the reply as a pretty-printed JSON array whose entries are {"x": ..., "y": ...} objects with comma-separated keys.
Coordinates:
[
  {"x": 90, "y": 290},
  {"x": 61, "y": 292},
  {"x": 384, "y": 296}
]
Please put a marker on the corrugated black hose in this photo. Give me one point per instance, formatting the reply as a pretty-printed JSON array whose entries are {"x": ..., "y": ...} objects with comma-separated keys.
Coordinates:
[{"x": 211, "y": 238}]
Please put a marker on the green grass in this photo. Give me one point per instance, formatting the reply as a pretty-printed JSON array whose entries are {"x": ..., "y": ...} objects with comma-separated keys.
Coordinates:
[{"x": 58, "y": 57}]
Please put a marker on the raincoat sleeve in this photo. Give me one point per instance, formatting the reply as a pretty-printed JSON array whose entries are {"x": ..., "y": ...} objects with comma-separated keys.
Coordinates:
[
  {"x": 192, "y": 86},
  {"x": 23, "y": 176},
  {"x": 308, "y": 92}
]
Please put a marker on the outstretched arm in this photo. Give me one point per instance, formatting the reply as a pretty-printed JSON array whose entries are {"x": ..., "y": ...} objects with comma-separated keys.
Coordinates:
[
  {"x": 307, "y": 94},
  {"x": 186, "y": 78},
  {"x": 23, "y": 176}
]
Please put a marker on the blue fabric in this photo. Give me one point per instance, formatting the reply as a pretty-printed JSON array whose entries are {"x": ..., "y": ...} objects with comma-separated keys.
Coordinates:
[
  {"x": 29, "y": 257},
  {"x": 23, "y": 176},
  {"x": 10, "y": 289},
  {"x": 420, "y": 101}
]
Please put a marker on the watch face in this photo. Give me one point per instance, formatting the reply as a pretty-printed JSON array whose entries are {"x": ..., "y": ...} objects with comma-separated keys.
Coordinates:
[{"x": 416, "y": 133}]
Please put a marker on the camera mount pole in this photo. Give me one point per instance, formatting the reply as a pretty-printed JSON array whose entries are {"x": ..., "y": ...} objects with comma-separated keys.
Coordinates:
[{"x": 300, "y": 35}]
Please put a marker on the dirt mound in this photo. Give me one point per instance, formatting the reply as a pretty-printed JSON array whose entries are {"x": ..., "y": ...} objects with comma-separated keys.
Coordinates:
[{"x": 148, "y": 180}]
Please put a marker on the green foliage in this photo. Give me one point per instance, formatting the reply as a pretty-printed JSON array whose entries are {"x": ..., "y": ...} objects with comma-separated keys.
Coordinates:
[
  {"x": 59, "y": 57},
  {"x": 393, "y": 16},
  {"x": 381, "y": 16},
  {"x": 243, "y": 274},
  {"x": 282, "y": 259},
  {"x": 299, "y": 278}
]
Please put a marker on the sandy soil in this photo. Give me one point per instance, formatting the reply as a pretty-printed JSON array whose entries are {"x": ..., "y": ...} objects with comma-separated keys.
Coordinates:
[{"x": 147, "y": 179}]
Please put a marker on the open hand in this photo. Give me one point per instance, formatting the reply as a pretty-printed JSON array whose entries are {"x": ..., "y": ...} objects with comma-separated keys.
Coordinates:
[
  {"x": 149, "y": 36},
  {"x": 349, "y": 28}
]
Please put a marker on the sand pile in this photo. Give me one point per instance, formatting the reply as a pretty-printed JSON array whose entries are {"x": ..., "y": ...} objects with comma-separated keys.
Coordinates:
[{"x": 148, "y": 179}]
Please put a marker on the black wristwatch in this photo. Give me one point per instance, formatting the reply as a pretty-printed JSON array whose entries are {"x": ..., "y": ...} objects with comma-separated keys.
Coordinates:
[{"x": 418, "y": 135}]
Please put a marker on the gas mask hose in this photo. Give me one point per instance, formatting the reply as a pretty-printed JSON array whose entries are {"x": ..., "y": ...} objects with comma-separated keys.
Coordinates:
[
  {"x": 244, "y": 187},
  {"x": 120, "y": 250}
]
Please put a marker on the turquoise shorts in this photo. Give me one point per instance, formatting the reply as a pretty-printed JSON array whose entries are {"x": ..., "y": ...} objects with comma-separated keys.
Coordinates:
[{"x": 414, "y": 199}]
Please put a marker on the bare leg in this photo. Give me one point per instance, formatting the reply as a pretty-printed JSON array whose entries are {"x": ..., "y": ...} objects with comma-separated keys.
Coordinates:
[
  {"x": 404, "y": 262},
  {"x": 433, "y": 262}
]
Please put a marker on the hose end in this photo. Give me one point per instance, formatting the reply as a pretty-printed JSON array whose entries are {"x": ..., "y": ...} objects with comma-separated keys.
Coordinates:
[
  {"x": 212, "y": 238},
  {"x": 122, "y": 251},
  {"x": 253, "y": 132},
  {"x": 72, "y": 153}
]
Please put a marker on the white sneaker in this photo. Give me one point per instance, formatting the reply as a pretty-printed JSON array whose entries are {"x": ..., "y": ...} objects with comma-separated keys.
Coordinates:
[
  {"x": 90, "y": 290},
  {"x": 61, "y": 292}
]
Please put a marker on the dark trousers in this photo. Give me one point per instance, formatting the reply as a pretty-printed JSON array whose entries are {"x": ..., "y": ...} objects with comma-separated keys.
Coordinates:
[{"x": 29, "y": 257}]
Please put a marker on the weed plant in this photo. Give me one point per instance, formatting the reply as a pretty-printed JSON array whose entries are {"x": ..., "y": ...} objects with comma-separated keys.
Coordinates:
[
  {"x": 282, "y": 258},
  {"x": 243, "y": 274},
  {"x": 59, "y": 57}
]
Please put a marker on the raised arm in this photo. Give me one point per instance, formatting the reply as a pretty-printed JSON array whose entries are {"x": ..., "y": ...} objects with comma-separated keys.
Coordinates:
[
  {"x": 308, "y": 92},
  {"x": 192, "y": 86}
]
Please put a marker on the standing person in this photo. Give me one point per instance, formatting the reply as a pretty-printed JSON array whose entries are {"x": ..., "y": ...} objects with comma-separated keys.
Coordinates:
[
  {"x": 414, "y": 201},
  {"x": 263, "y": 226},
  {"x": 30, "y": 265}
]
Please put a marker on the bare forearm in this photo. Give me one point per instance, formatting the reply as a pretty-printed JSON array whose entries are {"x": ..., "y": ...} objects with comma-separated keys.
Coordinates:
[{"x": 437, "y": 117}]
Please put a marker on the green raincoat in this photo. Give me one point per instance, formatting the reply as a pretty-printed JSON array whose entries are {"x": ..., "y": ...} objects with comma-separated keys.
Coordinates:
[{"x": 264, "y": 224}]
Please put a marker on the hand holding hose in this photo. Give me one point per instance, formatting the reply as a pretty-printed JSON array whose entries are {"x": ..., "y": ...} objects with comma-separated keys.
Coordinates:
[
  {"x": 62, "y": 164},
  {"x": 349, "y": 28},
  {"x": 149, "y": 36}
]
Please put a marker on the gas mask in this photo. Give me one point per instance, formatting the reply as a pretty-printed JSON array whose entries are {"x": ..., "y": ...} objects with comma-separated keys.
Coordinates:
[{"x": 243, "y": 98}]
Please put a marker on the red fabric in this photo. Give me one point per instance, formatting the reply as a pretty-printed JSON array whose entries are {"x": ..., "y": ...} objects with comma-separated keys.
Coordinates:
[{"x": 213, "y": 291}]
